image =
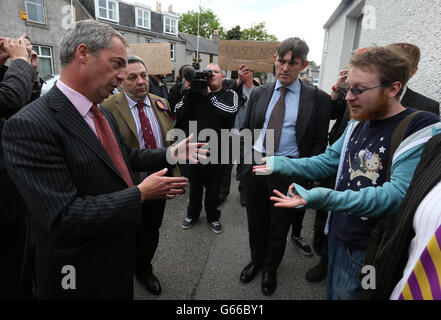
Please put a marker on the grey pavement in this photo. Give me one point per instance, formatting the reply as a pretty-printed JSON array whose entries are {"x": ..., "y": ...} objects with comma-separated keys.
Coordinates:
[{"x": 197, "y": 264}]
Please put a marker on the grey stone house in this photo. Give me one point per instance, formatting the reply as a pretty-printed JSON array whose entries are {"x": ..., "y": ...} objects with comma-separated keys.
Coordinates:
[
  {"x": 360, "y": 23},
  {"x": 44, "y": 21}
]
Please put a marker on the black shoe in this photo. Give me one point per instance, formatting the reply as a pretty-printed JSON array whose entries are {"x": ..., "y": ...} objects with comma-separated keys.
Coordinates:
[
  {"x": 216, "y": 226},
  {"x": 188, "y": 223},
  {"x": 318, "y": 272},
  {"x": 302, "y": 245},
  {"x": 151, "y": 283},
  {"x": 249, "y": 273},
  {"x": 269, "y": 283}
]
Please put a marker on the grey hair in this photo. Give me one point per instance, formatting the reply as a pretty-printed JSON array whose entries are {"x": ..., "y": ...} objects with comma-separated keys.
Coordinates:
[
  {"x": 135, "y": 59},
  {"x": 95, "y": 35},
  {"x": 298, "y": 47}
]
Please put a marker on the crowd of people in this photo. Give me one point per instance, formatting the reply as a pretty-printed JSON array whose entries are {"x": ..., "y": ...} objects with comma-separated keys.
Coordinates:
[{"x": 86, "y": 174}]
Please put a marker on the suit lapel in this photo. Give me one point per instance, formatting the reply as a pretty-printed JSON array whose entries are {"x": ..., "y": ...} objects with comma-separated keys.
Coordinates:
[
  {"x": 124, "y": 110},
  {"x": 70, "y": 119},
  {"x": 305, "y": 110},
  {"x": 163, "y": 120},
  {"x": 267, "y": 93}
]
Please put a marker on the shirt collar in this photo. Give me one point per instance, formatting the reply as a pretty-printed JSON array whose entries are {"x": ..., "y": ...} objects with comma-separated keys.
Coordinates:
[
  {"x": 294, "y": 86},
  {"x": 132, "y": 103},
  {"x": 80, "y": 102}
]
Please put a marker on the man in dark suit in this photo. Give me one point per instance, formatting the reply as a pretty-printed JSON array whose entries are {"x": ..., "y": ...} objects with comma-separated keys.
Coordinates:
[
  {"x": 299, "y": 117},
  {"x": 73, "y": 168},
  {"x": 410, "y": 98},
  {"x": 125, "y": 107},
  {"x": 16, "y": 90}
]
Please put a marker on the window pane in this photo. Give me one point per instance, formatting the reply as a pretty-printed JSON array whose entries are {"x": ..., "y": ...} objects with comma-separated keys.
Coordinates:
[
  {"x": 35, "y": 12},
  {"x": 103, "y": 13},
  {"x": 102, "y": 3},
  {"x": 111, "y": 5},
  {"x": 112, "y": 15},
  {"x": 45, "y": 51},
  {"x": 40, "y": 2},
  {"x": 36, "y": 49},
  {"x": 139, "y": 22},
  {"x": 44, "y": 66}
]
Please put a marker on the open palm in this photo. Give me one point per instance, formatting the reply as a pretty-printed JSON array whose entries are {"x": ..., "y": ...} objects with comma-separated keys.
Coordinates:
[{"x": 293, "y": 201}]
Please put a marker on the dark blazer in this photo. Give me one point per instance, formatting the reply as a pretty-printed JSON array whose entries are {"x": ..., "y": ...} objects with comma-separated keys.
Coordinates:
[
  {"x": 412, "y": 99},
  {"x": 312, "y": 120},
  {"x": 393, "y": 258},
  {"x": 16, "y": 84},
  {"x": 82, "y": 212}
]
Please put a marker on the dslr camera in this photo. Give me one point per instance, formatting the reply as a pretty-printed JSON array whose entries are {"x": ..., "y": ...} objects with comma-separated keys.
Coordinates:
[{"x": 198, "y": 78}]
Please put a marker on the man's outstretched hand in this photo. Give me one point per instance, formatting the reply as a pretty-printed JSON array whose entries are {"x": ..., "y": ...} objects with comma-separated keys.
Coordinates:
[
  {"x": 293, "y": 201},
  {"x": 185, "y": 150}
]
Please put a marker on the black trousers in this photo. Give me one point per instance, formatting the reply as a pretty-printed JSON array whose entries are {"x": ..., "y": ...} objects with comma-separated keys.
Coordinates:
[
  {"x": 147, "y": 234},
  {"x": 208, "y": 176},
  {"x": 268, "y": 226}
]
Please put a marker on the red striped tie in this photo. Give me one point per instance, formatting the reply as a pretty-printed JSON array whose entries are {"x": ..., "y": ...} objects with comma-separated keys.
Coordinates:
[
  {"x": 108, "y": 140},
  {"x": 147, "y": 132}
]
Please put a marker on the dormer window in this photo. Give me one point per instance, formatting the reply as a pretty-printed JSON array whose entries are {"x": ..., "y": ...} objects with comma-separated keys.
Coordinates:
[
  {"x": 142, "y": 18},
  {"x": 170, "y": 25},
  {"x": 107, "y": 10}
]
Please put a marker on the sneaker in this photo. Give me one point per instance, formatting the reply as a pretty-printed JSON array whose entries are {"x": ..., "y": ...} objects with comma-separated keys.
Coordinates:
[
  {"x": 216, "y": 226},
  {"x": 188, "y": 223},
  {"x": 302, "y": 245}
]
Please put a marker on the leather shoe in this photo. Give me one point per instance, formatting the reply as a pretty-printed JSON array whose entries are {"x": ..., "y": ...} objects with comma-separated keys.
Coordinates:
[
  {"x": 269, "y": 283},
  {"x": 151, "y": 283},
  {"x": 249, "y": 273}
]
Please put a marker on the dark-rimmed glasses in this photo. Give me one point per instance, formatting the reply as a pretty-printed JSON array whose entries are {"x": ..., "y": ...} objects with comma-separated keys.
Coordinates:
[{"x": 357, "y": 91}]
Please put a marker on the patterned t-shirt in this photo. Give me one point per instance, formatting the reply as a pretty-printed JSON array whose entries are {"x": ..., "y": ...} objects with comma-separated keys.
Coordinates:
[{"x": 365, "y": 165}]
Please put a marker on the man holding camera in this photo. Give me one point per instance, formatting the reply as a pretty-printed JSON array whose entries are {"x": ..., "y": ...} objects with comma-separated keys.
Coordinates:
[{"x": 212, "y": 107}]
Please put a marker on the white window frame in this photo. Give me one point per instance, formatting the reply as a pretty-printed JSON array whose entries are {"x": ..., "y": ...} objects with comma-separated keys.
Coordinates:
[
  {"x": 97, "y": 10},
  {"x": 173, "y": 51},
  {"x": 172, "y": 18},
  {"x": 35, "y": 46},
  {"x": 143, "y": 10},
  {"x": 38, "y": 5}
]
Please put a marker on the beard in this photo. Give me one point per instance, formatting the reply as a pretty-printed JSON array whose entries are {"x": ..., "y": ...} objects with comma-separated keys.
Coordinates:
[{"x": 377, "y": 111}]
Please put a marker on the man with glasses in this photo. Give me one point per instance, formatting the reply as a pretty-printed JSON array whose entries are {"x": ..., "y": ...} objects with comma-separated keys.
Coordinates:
[{"x": 369, "y": 186}]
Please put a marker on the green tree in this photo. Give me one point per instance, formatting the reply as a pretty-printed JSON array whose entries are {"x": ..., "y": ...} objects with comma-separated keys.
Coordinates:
[
  {"x": 233, "y": 34},
  {"x": 257, "y": 33},
  {"x": 208, "y": 22}
]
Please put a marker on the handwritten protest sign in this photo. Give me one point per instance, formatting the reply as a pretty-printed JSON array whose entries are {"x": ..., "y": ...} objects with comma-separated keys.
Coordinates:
[
  {"x": 156, "y": 56},
  {"x": 257, "y": 55}
]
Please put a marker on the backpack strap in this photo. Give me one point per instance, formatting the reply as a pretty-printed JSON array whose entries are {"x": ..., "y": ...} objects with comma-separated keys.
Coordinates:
[{"x": 397, "y": 138}]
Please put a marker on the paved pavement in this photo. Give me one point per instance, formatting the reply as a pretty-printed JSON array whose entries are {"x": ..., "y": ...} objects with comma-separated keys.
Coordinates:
[{"x": 197, "y": 264}]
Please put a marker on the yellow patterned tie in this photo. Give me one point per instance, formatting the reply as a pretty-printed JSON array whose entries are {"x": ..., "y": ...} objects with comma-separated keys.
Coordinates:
[{"x": 424, "y": 281}]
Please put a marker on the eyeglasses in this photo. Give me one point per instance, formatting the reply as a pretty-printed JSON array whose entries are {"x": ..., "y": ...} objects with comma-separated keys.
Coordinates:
[{"x": 357, "y": 91}]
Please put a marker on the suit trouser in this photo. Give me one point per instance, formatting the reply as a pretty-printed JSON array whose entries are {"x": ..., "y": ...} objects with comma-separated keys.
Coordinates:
[
  {"x": 210, "y": 177},
  {"x": 147, "y": 234},
  {"x": 15, "y": 243},
  {"x": 268, "y": 226}
]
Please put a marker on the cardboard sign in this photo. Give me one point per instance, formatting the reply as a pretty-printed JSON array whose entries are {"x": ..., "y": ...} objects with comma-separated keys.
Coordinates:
[
  {"x": 156, "y": 56},
  {"x": 257, "y": 55}
]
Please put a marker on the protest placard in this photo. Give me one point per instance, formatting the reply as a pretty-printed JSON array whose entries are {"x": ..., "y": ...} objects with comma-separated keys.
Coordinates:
[
  {"x": 257, "y": 55},
  {"x": 156, "y": 56}
]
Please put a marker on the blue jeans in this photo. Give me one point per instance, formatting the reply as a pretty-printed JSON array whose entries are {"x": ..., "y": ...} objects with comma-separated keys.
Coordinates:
[{"x": 344, "y": 267}]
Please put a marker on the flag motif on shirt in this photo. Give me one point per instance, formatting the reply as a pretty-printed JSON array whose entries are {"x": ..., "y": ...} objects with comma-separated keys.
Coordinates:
[{"x": 424, "y": 281}]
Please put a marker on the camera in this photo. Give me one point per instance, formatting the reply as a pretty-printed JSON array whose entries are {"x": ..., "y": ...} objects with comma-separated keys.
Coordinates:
[{"x": 198, "y": 78}]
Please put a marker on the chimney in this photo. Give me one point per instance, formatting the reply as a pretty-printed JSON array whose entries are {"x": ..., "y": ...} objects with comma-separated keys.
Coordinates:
[
  {"x": 158, "y": 6},
  {"x": 170, "y": 8},
  {"x": 215, "y": 36}
]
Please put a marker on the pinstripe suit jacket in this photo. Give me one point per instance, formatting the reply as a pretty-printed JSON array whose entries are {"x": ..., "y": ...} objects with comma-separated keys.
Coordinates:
[{"x": 82, "y": 212}]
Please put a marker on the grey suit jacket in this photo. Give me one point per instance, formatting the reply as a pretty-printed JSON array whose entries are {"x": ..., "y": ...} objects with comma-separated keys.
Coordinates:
[{"x": 82, "y": 212}]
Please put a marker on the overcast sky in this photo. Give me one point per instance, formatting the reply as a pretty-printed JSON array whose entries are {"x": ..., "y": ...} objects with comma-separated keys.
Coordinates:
[{"x": 300, "y": 18}]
